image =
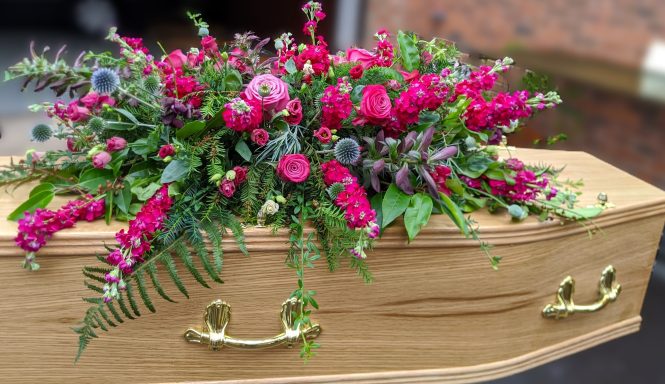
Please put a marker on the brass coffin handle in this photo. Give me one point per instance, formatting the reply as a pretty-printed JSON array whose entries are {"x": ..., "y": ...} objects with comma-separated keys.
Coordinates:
[
  {"x": 218, "y": 315},
  {"x": 565, "y": 306}
]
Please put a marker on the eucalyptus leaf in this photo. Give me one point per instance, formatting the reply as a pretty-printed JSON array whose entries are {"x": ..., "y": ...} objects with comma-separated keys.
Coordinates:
[
  {"x": 232, "y": 80},
  {"x": 454, "y": 212}
]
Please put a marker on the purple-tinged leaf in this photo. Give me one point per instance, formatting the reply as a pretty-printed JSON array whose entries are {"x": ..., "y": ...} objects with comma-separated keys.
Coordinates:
[
  {"x": 426, "y": 139},
  {"x": 444, "y": 153},
  {"x": 378, "y": 166},
  {"x": 403, "y": 181},
  {"x": 431, "y": 184},
  {"x": 408, "y": 141}
]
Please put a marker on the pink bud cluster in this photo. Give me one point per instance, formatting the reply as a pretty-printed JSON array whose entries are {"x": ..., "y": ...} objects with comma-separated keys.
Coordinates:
[
  {"x": 136, "y": 241},
  {"x": 34, "y": 229},
  {"x": 353, "y": 199}
]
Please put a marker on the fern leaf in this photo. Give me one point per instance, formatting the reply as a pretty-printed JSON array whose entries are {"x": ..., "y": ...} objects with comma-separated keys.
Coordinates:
[
  {"x": 123, "y": 307},
  {"x": 143, "y": 292},
  {"x": 106, "y": 317},
  {"x": 173, "y": 272},
  {"x": 215, "y": 237},
  {"x": 115, "y": 313},
  {"x": 186, "y": 257},
  {"x": 132, "y": 301},
  {"x": 152, "y": 272}
]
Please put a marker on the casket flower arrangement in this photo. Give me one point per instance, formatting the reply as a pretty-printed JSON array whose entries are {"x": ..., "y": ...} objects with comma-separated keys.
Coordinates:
[{"x": 190, "y": 146}]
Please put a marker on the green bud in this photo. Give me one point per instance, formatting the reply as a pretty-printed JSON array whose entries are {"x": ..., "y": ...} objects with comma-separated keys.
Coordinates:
[
  {"x": 231, "y": 175},
  {"x": 335, "y": 137},
  {"x": 203, "y": 32},
  {"x": 225, "y": 56},
  {"x": 470, "y": 142},
  {"x": 303, "y": 86},
  {"x": 95, "y": 150},
  {"x": 301, "y": 47},
  {"x": 216, "y": 177},
  {"x": 280, "y": 199},
  {"x": 168, "y": 159},
  {"x": 517, "y": 212}
]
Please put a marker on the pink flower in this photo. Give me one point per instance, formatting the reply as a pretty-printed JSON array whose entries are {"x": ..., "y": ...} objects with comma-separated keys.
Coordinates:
[
  {"x": 242, "y": 115},
  {"x": 293, "y": 168},
  {"x": 176, "y": 58},
  {"x": 375, "y": 105},
  {"x": 323, "y": 134},
  {"x": 94, "y": 101},
  {"x": 336, "y": 104},
  {"x": 362, "y": 56},
  {"x": 294, "y": 108},
  {"x": 209, "y": 44},
  {"x": 100, "y": 160},
  {"x": 37, "y": 157},
  {"x": 356, "y": 72},
  {"x": 227, "y": 188},
  {"x": 317, "y": 56},
  {"x": 166, "y": 150},
  {"x": 77, "y": 113},
  {"x": 241, "y": 175},
  {"x": 71, "y": 145},
  {"x": 260, "y": 137},
  {"x": 115, "y": 144},
  {"x": 277, "y": 92}
]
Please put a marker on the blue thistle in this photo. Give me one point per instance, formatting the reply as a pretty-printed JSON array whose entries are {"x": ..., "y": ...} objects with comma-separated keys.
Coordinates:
[
  {"x": 334, "y": 190},
  {"x": 97, "y": 125},
  {"x": 105, "y": 80},
  {"x": 347, "y": 151},
  {"x": 41, "y": 133},
  {"x": 151, "y": 84}
]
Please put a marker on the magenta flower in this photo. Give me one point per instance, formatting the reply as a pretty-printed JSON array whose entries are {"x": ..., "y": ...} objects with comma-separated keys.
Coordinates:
[
  {"x": 115, "y": 143},
  {"x": 100, "y": 160}
]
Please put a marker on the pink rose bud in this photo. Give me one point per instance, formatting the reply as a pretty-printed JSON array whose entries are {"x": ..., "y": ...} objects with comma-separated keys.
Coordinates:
[
  {"x": 101, "y": 159},
  {"x": 166, "y": 150},
  {"x": 260, "y": 137},
  {"x": 227, "y": 188},
  {"x": 115, "y": 144},
  {"x": 294, "y": 108}
]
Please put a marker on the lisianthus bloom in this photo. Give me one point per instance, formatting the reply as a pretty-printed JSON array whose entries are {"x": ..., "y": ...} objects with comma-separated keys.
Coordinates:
[
  {"x": 362, "y": 56},
  {"x": 94, "y": 101},
  {"x": 260, "y": 137},
  {"x": 294, "y": 109},
  {"x": 242, "y": 115},
  {"x": 176, "y": 59},
  {"x": 269, "y": 91},
  {"x": 323, "y": 134},
  {"x": 227, "y": 188},
  {"x": 241, "y": 175},
  {"x": 166, "y": 150},
  {"x": 100, "y": 159},
  {"x": 115, "y": 143},
  {"x": 209, "y": 44},
  {"x": 293, "y": 168}
]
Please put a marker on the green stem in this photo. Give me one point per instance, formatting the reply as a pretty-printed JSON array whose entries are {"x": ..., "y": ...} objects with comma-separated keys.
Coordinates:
[{"x": 124, "y": 91}]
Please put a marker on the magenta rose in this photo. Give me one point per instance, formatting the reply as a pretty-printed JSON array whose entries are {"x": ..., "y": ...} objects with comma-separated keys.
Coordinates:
[
  {"x": 276, "y": 92},
  {"x": 375, "y": 105},
  {"x": 362, "y": 56},
  {"x": 166, "y": 150},
  {"x": 294, "y": 108},
  {"x": 260, "y": 137},
  {"x": 241, "y": 175},
  {"x": 209, "y": 44},
  {"x": 293, "y": 168},
  {"x": 101, "y": 159},
  {"x": 176, "y": 58},
  {"x": 115, "y": 144},
  {"x": 227, "y": 188}
]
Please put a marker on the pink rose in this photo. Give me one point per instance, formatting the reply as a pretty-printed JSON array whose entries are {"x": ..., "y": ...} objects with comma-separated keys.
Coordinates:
[
  {"x": 209, "y": 44},
  {"x": 356, "y": 72},
  {"x": 241, "y": 175},
  {"x": 176, "y": 58},
  {"x": 375, "y": 105},
  {"x": 277, "y": 92},
  {"x": 294, "y": 108},
  {"x": 93, "y": 100},
  {"x": 260, "y": 137},
  {"x": 115, "y": 144},
  {"x": 227, "y": 188},
  {"x": 293, "y": 168},
  {"x": 166, "y": 150},
  {"x": 323, "y": 134},
  {"x": 101, "y": 159},
  {"x": 362, "y": 56}
]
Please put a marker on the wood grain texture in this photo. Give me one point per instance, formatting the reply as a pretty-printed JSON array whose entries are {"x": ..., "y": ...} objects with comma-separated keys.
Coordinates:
[{"x": 436, "y": 311}]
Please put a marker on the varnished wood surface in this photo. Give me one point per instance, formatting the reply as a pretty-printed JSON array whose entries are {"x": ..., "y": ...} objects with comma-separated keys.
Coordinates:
[{"x": 436, "y": 311}]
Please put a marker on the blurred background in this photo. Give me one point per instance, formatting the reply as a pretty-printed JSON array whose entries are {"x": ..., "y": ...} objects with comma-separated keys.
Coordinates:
[{"x": 605, "y": 57}]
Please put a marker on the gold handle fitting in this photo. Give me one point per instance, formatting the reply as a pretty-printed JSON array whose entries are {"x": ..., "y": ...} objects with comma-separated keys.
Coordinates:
[
  {"x": 218, "y": 315},
  {"x": 565, "y": 306}
]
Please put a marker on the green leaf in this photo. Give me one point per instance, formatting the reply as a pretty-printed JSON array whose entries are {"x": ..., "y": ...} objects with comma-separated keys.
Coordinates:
[
  {"x": 175, "y": 171},
  {"x": 143, "y": 146},
  {"x": 376, "y": 202},
  {"x": 408, "y": 50},
  {"x": 124, "y": 198},
  {"x": 36, "y": 200},
  {"x": 144, "y": 193},
  {"x": 232, "y": 80},
  {"x": 475, "y": 165},
  {"x": 394, "y": 204},
  {"x": 91, "y": 179},
  {"x": 191, "y": 128},
  {"x": 41, "y": 188},
  {"x": 128, "y": 115},
  {"x": 290, "y": 67},
  {"x": 454, "y": 212},
  {"x": 243, "y": 150},
  {"x": 357, "y": 93},
  {"x": 108, "y": 203},
  {"x": 417, "y": 214}
]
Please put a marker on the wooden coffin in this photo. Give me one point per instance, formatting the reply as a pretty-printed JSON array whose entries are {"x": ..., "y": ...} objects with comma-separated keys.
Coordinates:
[{"x": 436, "y": 311}]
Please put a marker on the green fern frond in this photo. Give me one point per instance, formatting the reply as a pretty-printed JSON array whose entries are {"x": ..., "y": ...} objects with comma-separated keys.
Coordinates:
[{"x": 152, "y": 272}]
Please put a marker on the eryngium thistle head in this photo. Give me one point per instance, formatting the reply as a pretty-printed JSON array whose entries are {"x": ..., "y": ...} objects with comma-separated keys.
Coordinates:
[
  {"x": 41, "y": 133},
  {"x": 105, "y": 80},
  {"x": 151, "y": 84},
  {"x": 97, "y": 125},
  {"x": 347, "y": 151},
  {"x": 334, "y": 190}
]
